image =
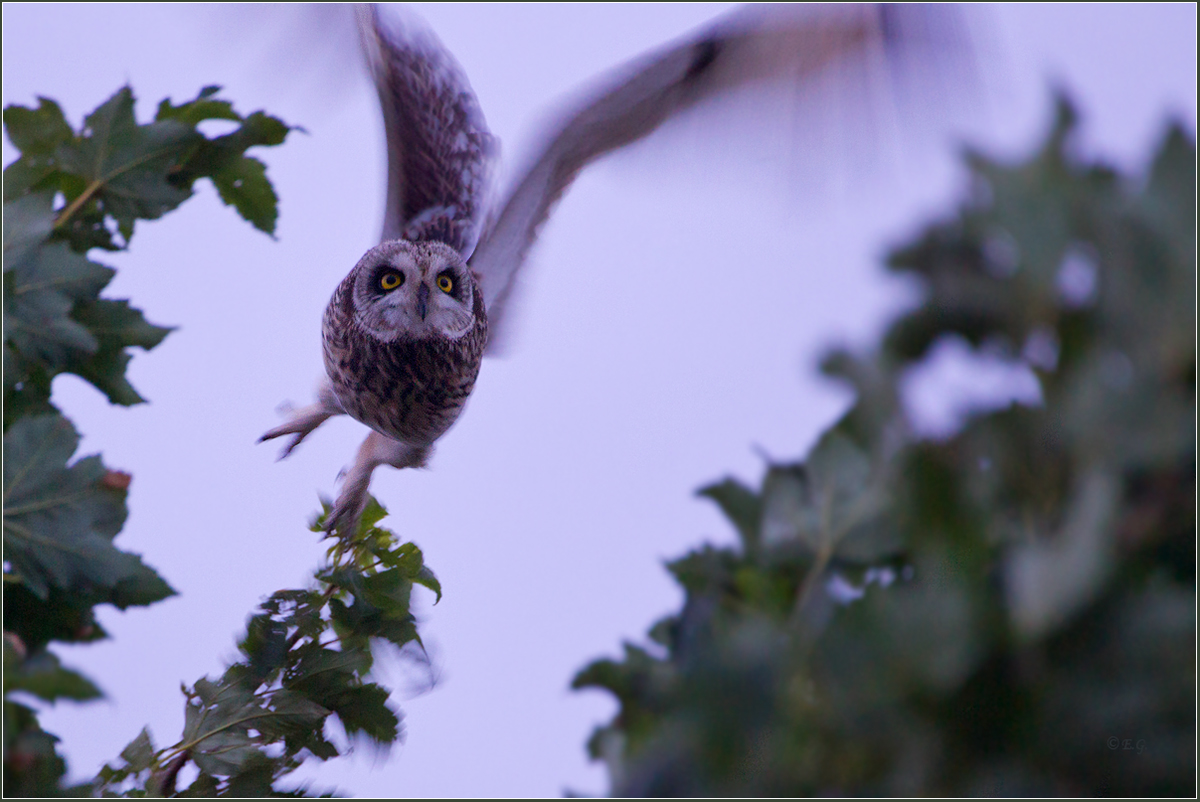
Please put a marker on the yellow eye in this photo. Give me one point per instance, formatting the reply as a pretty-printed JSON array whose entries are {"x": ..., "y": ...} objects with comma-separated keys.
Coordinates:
[
  {"x": 445, "y": 283},
  {"x": 390, "y": 281}
]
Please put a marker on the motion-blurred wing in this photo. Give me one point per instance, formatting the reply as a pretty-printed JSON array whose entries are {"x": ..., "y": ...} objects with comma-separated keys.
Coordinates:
[
  {"x": 439, "y": 150},
  {"x": 779, "y": 43}
]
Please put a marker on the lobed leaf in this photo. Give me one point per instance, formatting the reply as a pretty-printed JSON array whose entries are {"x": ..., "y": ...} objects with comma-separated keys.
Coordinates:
[
  {"x": 60, "y": 519},
  {"x": 741, "y": 505},
  {"x": 138, "y": 754},
  {"x": 43, "y": 288},
  {"x": 41, "y": 674},
  {"x": 116, "y": 326}
]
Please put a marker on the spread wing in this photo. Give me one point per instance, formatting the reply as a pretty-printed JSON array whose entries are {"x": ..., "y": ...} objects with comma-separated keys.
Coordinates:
[
  {"x": 780, "y": 43},
  {"x": 440, "y": 152}
]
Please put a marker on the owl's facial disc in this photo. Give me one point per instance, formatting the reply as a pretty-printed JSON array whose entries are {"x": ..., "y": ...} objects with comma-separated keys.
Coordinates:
[{"x": 413, "y": 291}]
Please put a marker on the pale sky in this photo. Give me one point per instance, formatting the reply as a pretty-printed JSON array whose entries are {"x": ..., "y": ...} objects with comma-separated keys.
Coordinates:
[{"x": 674, "y": 312}]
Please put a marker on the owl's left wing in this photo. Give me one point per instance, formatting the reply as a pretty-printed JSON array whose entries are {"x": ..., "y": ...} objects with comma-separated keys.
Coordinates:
[
  {"x": 440, "y": 152},
  {"x": 781, "y": 43}
]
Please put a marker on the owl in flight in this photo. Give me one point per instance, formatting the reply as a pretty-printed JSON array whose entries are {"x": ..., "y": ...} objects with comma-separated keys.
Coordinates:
[{"x": 406, "y": 330}]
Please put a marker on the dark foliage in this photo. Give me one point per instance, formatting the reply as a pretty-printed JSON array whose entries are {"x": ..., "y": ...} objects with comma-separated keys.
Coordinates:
[{"x": 1006, "y": 611}]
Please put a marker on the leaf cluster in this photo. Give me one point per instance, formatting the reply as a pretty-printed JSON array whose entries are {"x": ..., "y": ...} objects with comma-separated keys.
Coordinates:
[
  {"x": 1009, "y": 610},
  {"x": 306, "y": 658},
  {"x": 73, "y": 191},
  {"x": 68, "y": 192},
  {"x": 60, "y": 519}
]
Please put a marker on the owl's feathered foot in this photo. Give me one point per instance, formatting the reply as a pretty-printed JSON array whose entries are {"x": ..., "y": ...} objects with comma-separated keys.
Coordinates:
[
  {"x": 375, "y": 450},
  {"x": 306, "y": 419}
]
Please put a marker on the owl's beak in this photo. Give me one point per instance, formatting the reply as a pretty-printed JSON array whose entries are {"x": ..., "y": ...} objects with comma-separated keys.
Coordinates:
[{"x": 422, "y": 299}]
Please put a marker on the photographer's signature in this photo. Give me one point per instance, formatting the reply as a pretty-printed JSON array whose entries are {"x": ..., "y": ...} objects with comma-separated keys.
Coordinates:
[{"x": 1127, "y": 744}]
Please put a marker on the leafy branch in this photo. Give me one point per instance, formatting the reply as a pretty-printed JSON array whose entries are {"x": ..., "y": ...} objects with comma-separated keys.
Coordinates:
[
  {"x": 982, "y": 614},
  {"x": 68, "y": 192},
  {"x": 248, "y": 729}
]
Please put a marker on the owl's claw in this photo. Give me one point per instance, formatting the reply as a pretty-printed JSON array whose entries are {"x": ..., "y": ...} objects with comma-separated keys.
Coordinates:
[
  {"x": 343, "y": 518},
  {"x": 298, "y": 427},
  {"x": 302, "y": 422},
  {"x": 376, "y": 450},
  {"x": 347, "y": 510},
  {"x": 288, "y": 448}
]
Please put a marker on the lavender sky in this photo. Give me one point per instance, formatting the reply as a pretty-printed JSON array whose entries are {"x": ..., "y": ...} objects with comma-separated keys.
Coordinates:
[{"x": 675, "y": 308}]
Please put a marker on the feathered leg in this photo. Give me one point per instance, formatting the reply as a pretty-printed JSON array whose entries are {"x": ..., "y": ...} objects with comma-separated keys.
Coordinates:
[
  {"x": 376, "y": 450},
  {"x": 306, "y": 419}
]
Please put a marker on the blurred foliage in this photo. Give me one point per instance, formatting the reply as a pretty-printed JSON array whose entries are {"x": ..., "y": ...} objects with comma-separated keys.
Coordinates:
[
  {"x": 1009, "y": 610},
  {"x": 306, "y": 656},
  {"x": 67, "y": 193}
]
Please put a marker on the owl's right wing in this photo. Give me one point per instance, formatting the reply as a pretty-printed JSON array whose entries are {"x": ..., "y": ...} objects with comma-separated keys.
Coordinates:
[
  {"x": 780, "y": 43},
  {"x": 440, "y": 152}
]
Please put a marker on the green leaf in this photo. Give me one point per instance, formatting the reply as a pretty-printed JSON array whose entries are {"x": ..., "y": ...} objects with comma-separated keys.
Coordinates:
[
  {"x": 254, "y": 778},
  {"x": 741, "y": 506},
  {"x": 244, "y": 186},
  {"x": 55, "y": 322},
  {"x": 139, "y": 588},
  {"x": 116, "y": 326},
  {"x": 33, "y": 767},
  {"x": 426, "y": 579},
  {"x": 193, "y": 112},
  {"x": 320, "y": 747},
  {"x": 38, "y": 299},
  {"x": 829, "y": 503},
  {"x": 372, "y": 514},
  {"x": 224, "y": 753},
  {"x": 62, "y": 616},
  {"x": 42, "y": 675},
  {"x": 1050, "y": 579},
  {"x": 330, "y": 679},
  {"x": 59, "y": 519},
  {"x": 322, "y": 664},
  {"x": 364, "y": 709},
  {"x": 1170, "y": 194},
  {"x": 28, "y": 221},
  {"x": 117, "y": 171},
  {"x": 216, "y": 728},
  {"x": 265, "y": 645},
  {"x": 139, "y": 753},
  {"x": 126, "y": 166},
  {"x": 290, "y": 713},
  {"x": 36, "y": 131},
  {"x": 240, "y": 180},
  {"x": 790, "y": 511}
]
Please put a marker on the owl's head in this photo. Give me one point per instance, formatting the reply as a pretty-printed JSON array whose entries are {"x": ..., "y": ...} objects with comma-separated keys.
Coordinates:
[{"x": 413, "y": 290}]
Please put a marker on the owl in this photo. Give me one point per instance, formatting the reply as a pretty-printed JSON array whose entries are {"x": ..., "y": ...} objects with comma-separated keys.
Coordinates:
[{"x": 405, "y": 332}]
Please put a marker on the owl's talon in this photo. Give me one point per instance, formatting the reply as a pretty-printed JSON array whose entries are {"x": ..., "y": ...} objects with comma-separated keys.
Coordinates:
[
  {"x": 304, "y": 421},
  {"x": 347, "y": 511},
  {"x": 288, "y": 448},
  {"x": 376, "y": 450}
]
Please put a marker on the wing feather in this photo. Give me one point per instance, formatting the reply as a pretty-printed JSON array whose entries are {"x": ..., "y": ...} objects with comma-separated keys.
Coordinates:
[
  {"x": 752, "y": 45},
  {"x": 440, "y": 152}
]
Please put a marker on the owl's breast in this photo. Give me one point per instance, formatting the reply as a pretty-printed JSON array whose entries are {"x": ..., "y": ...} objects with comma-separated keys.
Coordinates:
[{"x": 409, "y": 389}]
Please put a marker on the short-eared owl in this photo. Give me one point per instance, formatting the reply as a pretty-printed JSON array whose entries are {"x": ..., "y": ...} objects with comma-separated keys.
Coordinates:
[{"x": 405, "y": 331}]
